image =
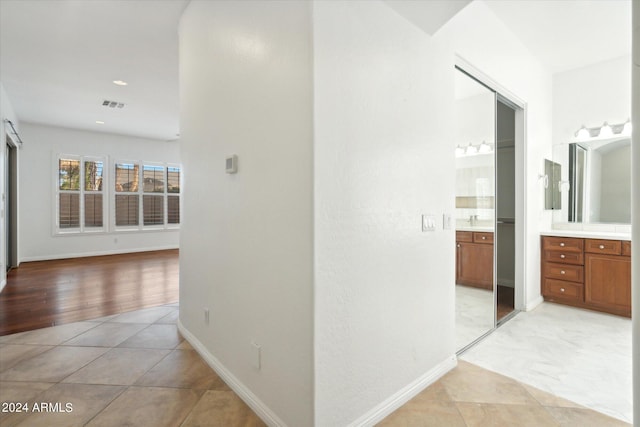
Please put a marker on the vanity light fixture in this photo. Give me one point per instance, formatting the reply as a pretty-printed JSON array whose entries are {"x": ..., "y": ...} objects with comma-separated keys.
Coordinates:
[
  {"x": 459, "y": 151},
  {"x": 99, "y": 122},
  {"x": 120, "y": 82},
  {"x": 603, "y": 132}
]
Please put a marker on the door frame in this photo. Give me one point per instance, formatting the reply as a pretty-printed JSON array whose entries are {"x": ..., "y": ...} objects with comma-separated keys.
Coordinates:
[
  {"x": 11, "y": 202},
  {"x": 520, "y": 106}
]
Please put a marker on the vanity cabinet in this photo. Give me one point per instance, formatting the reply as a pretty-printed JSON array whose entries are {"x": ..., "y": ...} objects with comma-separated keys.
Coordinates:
[
  {"x": 474, "y": 259},
  {"x": 587, "y": 273}
]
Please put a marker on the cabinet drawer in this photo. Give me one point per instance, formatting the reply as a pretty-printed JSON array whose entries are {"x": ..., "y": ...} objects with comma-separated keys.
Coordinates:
[
  {"x": 626, "y": 248},
  {"x": 566, "y": 244},
  {"x": 563, "y": 290},
  {"x": 572, "y": 273},
  {"x": 564, "y": 257},
  {"x": 483, "y": 238},
  {"x": 610, "y": 247},
  {"x": 464, "y": 236}
]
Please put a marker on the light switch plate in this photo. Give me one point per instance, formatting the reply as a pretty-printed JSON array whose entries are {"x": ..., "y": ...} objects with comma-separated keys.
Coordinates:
[
  {"x": 446, "y": 221},
  {"x": 428, "y": 223}
]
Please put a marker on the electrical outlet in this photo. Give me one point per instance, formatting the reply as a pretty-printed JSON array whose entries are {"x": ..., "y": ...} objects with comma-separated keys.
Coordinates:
[
  {"x": 206, "y": 316},
  {"x": 256, "y": 355}
]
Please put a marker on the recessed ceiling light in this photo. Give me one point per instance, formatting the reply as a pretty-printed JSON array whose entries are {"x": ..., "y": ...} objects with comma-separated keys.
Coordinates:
[
  {"x": 99, "y": 122},
  {"x": 120, "y": 82}
]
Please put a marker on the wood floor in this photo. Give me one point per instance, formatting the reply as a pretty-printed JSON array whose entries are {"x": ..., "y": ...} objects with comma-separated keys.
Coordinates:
[{"x": 46, "y": 293}]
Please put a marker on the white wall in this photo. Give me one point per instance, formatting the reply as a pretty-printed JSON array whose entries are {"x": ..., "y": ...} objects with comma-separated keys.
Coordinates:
[
  {"x": 587, "y": 96},
  {"x": 246, "y": 239},
  {"x": 6, "y": 112},
  {"x": 384, "y": 155},
  {"x": 37, "y": 198},
  {"x": 484, "y": 41}
]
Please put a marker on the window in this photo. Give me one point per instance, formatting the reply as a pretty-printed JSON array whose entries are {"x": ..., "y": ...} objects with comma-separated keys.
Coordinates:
[
  {"x": 79, "y": 194},
  {"x": 173, "y": 196},
  {"x": 147, "y": 195},
  {"x": 127, "y": 199}
]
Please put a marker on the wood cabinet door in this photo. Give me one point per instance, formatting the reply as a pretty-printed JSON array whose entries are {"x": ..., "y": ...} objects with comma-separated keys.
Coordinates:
[
  {"x": 608, "y": 282},
  {"x": 475, "y": 265}
]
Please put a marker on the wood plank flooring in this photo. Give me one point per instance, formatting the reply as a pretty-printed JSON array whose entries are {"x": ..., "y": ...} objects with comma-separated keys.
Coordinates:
[{"x": 47, "y": 293}]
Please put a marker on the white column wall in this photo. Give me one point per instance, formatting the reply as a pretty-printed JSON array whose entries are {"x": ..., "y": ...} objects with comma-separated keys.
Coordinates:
[
  {"x": 246, "y": 240},
  {"x": 384, "y": 290}
]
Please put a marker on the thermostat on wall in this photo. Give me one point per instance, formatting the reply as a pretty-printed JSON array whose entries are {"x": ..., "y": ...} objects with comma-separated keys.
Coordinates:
[{"x": 232, "y": 164}]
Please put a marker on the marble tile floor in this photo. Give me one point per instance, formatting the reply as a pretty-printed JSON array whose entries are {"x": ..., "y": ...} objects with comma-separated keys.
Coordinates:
[
  {"x": 580, "y": 355},
  {"x": 474, "y": 314},
  {"x": 135, "y": 369}
]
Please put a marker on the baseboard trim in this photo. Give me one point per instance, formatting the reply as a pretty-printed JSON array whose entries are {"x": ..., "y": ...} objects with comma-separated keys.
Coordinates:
[
  {"x": 533, "y": 304},
  {"x": 96, "y": 253},
  {"x": 407, "y": 393},
  {"x": 259, "y": 407}
]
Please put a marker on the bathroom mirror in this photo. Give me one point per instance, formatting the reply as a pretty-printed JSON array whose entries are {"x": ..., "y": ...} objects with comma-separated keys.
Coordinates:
[{"x": 598, "y": 181}]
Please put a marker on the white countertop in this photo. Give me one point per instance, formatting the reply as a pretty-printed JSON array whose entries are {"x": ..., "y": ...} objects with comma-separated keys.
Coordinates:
[
  {"x": 587, "y": 234},
  {"x": 475, "y": 228}
]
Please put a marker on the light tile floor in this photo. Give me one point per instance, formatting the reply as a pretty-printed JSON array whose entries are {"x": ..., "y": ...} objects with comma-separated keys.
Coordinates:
[
  {"x": 474, "y": 314},
  {"x": 577, "y": 354},
  {"x": 135, "y": 369}
]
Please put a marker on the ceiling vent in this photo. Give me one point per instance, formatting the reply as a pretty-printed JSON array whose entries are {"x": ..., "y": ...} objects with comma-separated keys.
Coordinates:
[{"x": 112, "y": 104}]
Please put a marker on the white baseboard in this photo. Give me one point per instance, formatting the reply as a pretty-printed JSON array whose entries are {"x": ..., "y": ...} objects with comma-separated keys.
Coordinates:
[
  {"x": 96, "y": 253},
  {"x": 262, "y": 410},
  {"x": 398, "y": 399},
  {"x": 533, "y": 304}
]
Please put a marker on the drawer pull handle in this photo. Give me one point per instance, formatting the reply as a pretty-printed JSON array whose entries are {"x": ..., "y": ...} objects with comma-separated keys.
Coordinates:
[
  {"x": 562, "y": 256},
  {"x": 601, "y": 246},
  {"x": 562, "y": 244},
  {"x": 458, "y": 245},
  {"x": 562, "y": 272},
  {"x": 484, "y": 237},
  {"x": 561, "y": 289}
]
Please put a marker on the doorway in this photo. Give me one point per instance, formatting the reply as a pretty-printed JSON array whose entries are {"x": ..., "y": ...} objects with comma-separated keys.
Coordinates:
[
  {"x": 489, "y": 127},
  {"x": 11, "y": 203}
]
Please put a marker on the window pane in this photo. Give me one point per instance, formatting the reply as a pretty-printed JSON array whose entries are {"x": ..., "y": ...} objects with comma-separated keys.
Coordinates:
[
  {"x": 69, "y": 174},
  {"x": 153, "y": 179},
  {"x": 127, "y": 177},
  {"x": 126, "y": 209},
  {"x": 93, "y": 176},
  {"x": 173, "y": 209},
  {"x": 153, "y": 210},
  {"x": 173, "y": 180},
  {"x": 93, "y": 210},
  {"x": 69, "y": 210}
]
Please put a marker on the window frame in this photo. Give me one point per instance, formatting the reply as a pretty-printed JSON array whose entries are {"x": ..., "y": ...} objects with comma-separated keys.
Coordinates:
[{"x": 82, "y": 228}]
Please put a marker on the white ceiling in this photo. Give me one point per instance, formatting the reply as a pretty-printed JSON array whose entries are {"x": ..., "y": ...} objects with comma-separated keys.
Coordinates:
[
  {"x": 568, "y": 34},
  {"x": 58, "y": 58}
]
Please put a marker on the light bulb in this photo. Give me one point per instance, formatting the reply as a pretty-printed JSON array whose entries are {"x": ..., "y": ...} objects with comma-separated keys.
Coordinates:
[
  {"x": 606, "y": 131},
  {"x": 484, "y": 148},
  {"x": 583, "y": 133},
  {"x": 626, "y": 130},
  {"x": 471, "y": 149},
  {"x": 459, "y": 151}
]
